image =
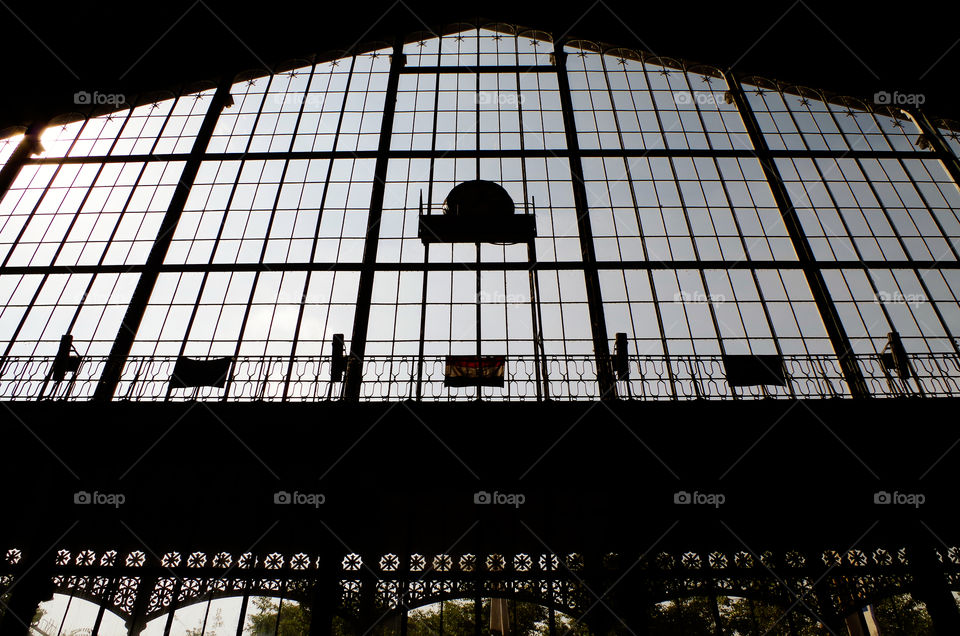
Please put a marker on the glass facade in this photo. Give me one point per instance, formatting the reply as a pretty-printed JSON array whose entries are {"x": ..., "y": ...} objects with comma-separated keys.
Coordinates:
[{"x": 701, "y": 215}]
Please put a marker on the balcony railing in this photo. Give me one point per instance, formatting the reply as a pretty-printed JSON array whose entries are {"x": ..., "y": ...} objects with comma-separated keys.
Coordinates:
[{"x": 526, "y": 378}]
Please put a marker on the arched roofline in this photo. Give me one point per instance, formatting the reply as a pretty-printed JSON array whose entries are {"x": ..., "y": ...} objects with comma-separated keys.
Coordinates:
[{"x": 598, "y": 46}]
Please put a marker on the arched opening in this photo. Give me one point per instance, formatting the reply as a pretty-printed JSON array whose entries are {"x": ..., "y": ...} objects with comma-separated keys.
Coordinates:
[
  {"x": 730, "y": 615},
  {"x": 234, "y": 616},
  {"x": 458, "y": 616},
  {"x": 70, "y": 615},
  {"x": 903, "y": 614}
]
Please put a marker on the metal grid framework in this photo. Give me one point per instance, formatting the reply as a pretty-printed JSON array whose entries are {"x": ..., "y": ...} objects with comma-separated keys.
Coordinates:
[{"x": 701, "y": 213}]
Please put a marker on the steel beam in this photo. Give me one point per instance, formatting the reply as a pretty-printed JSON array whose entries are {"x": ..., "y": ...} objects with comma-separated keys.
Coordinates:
[
  {"x": 158, "y": 252},
  {"x": 361, "y": 320},
  {"x": 818, "y": 287},
  {"x": 598, "y": 324}
]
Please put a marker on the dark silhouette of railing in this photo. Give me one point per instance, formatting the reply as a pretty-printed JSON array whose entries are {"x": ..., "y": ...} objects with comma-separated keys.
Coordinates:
[{"x": 568, "y": 378}]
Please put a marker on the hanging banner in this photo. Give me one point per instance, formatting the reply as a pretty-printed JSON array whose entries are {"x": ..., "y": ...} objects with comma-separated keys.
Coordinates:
[
  {"x": 474, "y": 371},
  {"x": 752, "y": 370},
  {"x": 188, "y": 373}
]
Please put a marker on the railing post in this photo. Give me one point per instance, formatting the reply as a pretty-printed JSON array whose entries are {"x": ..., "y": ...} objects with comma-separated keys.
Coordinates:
[
  {"x": 158, "y": 252},
  {"x": 361, "y": 319},
  {"x": 818, "y": 287}
]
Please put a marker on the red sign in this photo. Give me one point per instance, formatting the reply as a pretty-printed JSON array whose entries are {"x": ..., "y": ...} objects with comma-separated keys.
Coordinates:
[{"x": 474, "y": 371}]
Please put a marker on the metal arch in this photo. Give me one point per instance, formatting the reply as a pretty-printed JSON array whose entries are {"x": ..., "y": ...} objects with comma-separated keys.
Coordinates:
[
  {"x": 366, "y": 47},
  {"x": 506, "y": 593},
  {"x": 947, "y": 124},
  {"x": 850, "y": 586},
  {"x": 709, "y": 587},
  {"x": 11, "y": 131},
  {"x": 666, "y": 62},
  {"x": 626, "y": 53},
  {"x": 499, "y": 27},
  {"x": 853, "y": 102},
  {"x": 292, "y": 65},
  {"x": 707, "y": 70},
  {"x": 106, "y": 603},
  {"x": 176, "y": 605},
  {"x": 250, "y": 74},
  {"x": 129, "y": 105},
  {"x": 763, "y": 83},
  {"x": 885, "y": 589},
  {"x": 534, "y": 34},
  {"x": 585, "y": 45}
]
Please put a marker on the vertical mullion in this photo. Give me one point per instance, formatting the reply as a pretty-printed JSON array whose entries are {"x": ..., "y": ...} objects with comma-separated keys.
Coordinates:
[
  {"x": 532, "y": 270},
  {"x": 113, "y": 369},
  {"x": 607, "y": 386},
  {"x": 693, "y": 242},
  {"x": 296, "y": 331},
  {"x": 223, "y": 222},
  {"x": 923, "y": 198},
  {"x": 643, "y": 242},
  {"x": 903, "y": 246},
  {"x": 843, "y": 221},
  {"x": 746, "y": 254},
  {"x": 703, "y": 281},
  {"x": 853, "y": 242},
  {"x": 426, "y": 247},
  {"x": 828, "y": 311},
  {"x": 358, "y": 341},
  {"x": 256, "y": 280},
  {"x": 28, "y": 145},
  {"x": 206, "y": 274},
  {"x": 653, "y": 287},
  {"x": 316, "y": 233},
  {"x": 103, "y": 255},
  {"x": 23, "y": 319}
]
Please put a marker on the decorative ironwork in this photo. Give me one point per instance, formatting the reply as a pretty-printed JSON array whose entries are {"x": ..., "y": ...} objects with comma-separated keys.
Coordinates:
[
  {"x": 306, "y": 379},
  {"x": 850, "y": 578}
]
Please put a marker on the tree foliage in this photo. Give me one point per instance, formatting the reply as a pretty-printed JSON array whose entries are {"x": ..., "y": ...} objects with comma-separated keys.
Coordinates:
[
  {"x": 902, "y": 616},
  {"x": 294, "y": 618},
  {"x": 694, "y": 616},
  {"x": 214, "y": 623},
  {"x": 457, "y": 617}
]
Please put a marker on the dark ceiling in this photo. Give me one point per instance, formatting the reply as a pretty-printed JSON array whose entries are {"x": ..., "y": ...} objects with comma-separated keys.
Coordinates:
[{"x": 51, "y": 52}]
